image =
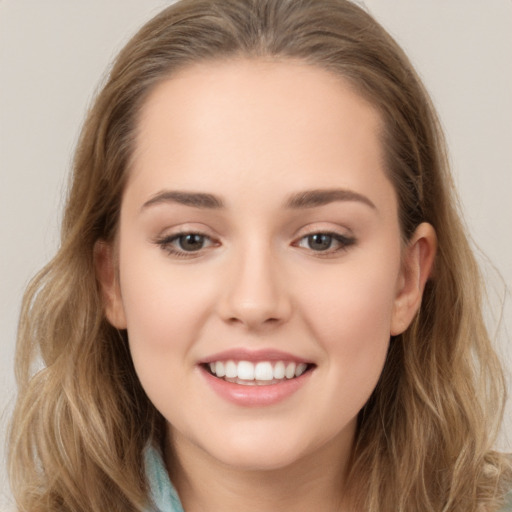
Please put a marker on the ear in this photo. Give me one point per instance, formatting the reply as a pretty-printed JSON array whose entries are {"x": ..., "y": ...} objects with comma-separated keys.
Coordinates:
[
  {"x": 105, "y": 265},
  {"x": 417, "y": 262}
]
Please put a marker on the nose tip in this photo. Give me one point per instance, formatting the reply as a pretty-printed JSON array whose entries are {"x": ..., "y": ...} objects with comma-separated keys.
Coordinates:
[
  {"x": 256, "y": 296},
  {"x": 254, "y": 314}
]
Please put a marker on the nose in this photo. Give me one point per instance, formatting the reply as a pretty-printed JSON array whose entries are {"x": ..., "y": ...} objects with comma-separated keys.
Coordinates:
[{"x": 255, "y": 294}]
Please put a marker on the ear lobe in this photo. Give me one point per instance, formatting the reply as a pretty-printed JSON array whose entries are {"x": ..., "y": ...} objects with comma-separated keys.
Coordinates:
[
  {"x": 105, "y": 266},
  {"x": 418, "y": 259}
]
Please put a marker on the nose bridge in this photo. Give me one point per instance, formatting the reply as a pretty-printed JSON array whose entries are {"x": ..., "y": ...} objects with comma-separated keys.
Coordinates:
[{"x": 256, "y": 294}]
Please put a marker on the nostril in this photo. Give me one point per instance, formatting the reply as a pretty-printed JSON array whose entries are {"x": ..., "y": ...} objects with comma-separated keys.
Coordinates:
[{"x": 253, "y": 320}]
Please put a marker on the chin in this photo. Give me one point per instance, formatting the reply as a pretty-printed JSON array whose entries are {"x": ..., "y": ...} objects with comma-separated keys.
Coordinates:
[
  {"x": 272, "y": 458},
  {"x": 262, "y": 451}
]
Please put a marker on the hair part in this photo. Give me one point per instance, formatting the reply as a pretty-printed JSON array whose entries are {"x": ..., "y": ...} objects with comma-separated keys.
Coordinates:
[{"x": 425, "y": 437}]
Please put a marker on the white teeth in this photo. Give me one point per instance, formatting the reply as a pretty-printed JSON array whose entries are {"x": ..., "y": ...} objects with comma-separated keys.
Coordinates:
[
  {"x": 245, "y": 370},
  {"x": 231, "y": 370},
  {"x": 220, "y": 371},
  {"x": 290, "y": 371},
  {"x": 279, "y": 370},
  {"x": 301, "y": 368},
  {"x": 264, "y": 371}
]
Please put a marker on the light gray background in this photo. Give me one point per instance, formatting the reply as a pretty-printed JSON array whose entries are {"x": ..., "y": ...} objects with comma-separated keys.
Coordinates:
[{"x": 53, "y": 54}]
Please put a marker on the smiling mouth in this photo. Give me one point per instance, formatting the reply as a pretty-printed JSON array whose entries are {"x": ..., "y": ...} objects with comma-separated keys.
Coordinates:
[{"x": 262, "y": 373}]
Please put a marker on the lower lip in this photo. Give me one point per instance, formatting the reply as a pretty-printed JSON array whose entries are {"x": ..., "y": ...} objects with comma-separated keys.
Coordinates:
[{"x": 255, "y": 395}]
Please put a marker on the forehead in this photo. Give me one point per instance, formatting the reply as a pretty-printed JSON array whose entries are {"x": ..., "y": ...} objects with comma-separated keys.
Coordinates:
[{"x": 218, "y": 122}]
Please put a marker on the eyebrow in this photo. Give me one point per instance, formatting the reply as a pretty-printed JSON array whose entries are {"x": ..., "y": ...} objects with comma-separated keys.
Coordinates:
[
  {"x": 194, "y": 199},
  {"x": 299, "y": 200},
  {"x": 321, "y": 197}
]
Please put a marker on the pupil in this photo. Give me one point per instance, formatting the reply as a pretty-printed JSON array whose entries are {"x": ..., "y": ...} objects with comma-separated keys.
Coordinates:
[
  {"x": 320, "y": 242},
  {"x": 191, "y": 242}
]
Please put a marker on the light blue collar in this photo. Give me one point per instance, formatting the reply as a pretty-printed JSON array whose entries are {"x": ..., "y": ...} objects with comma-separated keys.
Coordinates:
[
  {"x": 508, "y": 505},
  {"x": 164, "y": 495}
]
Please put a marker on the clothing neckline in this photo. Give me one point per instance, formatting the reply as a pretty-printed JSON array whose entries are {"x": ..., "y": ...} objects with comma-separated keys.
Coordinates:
[{"x": 162, "y": 492}]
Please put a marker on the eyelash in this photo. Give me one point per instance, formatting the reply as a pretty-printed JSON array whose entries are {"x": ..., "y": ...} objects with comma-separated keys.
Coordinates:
[{"x": 170, "y": 243}]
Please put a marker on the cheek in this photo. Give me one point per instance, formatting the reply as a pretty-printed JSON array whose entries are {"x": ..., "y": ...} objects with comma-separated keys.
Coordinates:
[
  {"x": 166, "y": 307},
  {"x": 355, "y": 302},
  {"x": 161, "y": 305},
  {"x": 151, "y": 309},
  {"x": 350, "y": 317},
  {"x": 162, "y": 322}
]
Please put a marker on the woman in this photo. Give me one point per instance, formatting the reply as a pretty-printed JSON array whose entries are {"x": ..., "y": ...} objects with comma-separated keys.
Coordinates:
[{"x": 264, "y": 292}]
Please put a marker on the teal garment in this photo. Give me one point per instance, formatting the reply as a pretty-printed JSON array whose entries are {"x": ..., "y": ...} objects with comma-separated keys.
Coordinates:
[
  {"x": 508, "y": 503},
  {"x": 163, "y": 494},
  {"x": 165, "y": 497}
]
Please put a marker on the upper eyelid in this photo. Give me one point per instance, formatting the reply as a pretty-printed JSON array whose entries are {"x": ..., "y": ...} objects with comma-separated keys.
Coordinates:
[
  {"x": 184, "y": 229},
  {"x": 341, "y": 238},
  {"x": 320, "y": 227},
  {"x": 332, "y": 233},
  {"x": 177, "y": 234}
]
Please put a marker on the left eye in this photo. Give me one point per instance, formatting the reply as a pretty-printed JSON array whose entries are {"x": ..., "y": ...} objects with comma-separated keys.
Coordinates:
[{"x": 323, "y": 242}]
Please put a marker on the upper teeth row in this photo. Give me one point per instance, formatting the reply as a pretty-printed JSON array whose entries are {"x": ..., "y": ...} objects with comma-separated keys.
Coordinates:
[{"x": 263, "y": 370}]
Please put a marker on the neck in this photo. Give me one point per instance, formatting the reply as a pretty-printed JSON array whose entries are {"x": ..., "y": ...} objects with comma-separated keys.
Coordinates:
[{"x": 315, "y": 482}]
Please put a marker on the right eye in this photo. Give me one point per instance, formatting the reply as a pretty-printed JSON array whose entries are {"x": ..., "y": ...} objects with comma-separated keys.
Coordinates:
[
  {"x": 318, "y": 241},
  {"x": 185, "y": 244},
  {"x": 190, "y": 242}
]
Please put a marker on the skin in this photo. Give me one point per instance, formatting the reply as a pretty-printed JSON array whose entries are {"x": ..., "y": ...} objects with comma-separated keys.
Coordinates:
[{"x": 253, "y": 133}]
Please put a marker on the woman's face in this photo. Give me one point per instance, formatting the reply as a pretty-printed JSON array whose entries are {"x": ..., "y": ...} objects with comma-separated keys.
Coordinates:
[{"x": 259, "y": 238}]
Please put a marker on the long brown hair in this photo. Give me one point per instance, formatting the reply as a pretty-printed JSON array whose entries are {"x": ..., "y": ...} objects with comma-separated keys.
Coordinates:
[{"x": 424, "y": 439}]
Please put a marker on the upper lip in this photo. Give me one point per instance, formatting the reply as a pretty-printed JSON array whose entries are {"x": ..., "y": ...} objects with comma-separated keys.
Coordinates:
[{"x": 242, "y": 354}]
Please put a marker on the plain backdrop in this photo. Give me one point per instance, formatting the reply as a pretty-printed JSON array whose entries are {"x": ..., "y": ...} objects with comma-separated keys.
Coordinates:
[{"x": 54, "y": 53}]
